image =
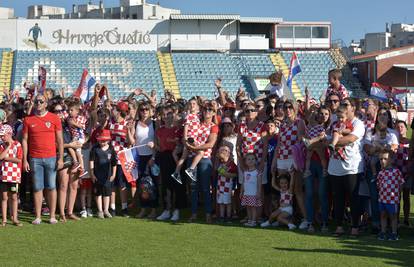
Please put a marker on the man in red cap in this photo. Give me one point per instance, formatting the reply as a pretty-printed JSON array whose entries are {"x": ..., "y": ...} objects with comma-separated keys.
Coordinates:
[{"x": 118, "y": 129}]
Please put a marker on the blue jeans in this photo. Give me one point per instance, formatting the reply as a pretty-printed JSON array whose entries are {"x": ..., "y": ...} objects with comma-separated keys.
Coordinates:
[
  {"x": 204, "y": 172},
  {"x": 317, "y": 173},
  {"x": 44, "y": 173},
  {"x": 373, "y": 194}
]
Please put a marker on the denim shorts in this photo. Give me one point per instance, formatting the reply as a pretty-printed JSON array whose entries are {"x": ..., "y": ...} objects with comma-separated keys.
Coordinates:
[
  {"x": 389, "y": 208},
  {"x": 44, "y": 173}
]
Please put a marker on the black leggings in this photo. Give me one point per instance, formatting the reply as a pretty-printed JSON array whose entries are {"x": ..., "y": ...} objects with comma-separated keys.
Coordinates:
[
  {"x": 342, "y": 186},
  {"x": 178, "y": 195}
]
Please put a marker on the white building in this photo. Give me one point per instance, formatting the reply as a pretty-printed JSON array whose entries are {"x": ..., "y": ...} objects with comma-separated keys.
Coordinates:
[
  {"x": 127, "y": 9},
  {"x": 42, "y": 11},
  {"x": 6, "y": 13}
]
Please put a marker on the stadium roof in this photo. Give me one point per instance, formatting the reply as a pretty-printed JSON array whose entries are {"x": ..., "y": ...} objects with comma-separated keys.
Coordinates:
[
  {"x": 404, "y": 66},
  {"x": 205, "y": 17},
  {"x": 260, "y": 20},
  {"x": 378, "y": 55}
]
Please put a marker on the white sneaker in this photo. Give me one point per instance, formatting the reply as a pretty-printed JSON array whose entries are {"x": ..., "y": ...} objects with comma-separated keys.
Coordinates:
[
  {"x": 176, "y": 216},
  {"x": 165, "y": 215},
  {"x": 291, "y": 226},
  {"x": 304, "y": 225},
  {"x": 250, "y": 224},
  {"x": 90, "y": 213},
  {"x": 83, "y": 214},
  {"x": 265, "y": 224}
]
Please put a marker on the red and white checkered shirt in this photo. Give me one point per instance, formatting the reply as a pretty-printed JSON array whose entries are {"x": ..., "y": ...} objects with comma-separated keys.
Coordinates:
[
  {"x": 314, "y": 131},
  {"x": 342, "y": 92},
  {"x": 286, "y": 198},
  {"x": 401, "y": 156},
  {"x": 119, "y": 132},
  {"x": 288, "y": 137},
  {"x": 78, "y": 133},
  {"x": 389, "y": 182},
  {"x": 369, "y": 125},
  {"x": 252, "y": 141},
  {"x": 339, "y": 126},
  {"x": 192, "y": 121},
  {"x": 224, "y": 184},
  {"x": 203, "y": 134},
  {"x": 12, "y": 172}
]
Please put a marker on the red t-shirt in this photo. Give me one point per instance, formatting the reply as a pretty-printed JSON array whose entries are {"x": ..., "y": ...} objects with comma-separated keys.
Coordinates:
[
  {"x": 41, "y": 134},
  {"x": 167, "y": 138}
]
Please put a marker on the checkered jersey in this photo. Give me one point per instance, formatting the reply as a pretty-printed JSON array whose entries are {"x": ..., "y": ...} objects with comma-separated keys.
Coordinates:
[
  {"x": 225, "y": 185},
  {"x": 78, "y": 133},
  {"x": 401, "y": 157},
  {"x": 389, "y": 182},
  {"x": 369, "y": 124},
  {"x": 252, "y": 139},
  {"x": 203, "y": 133},
  {"x": 341, "y": 92},
  {"x": 119, "y": 132},
  {"x": 288, "y": 137},
  {"x": 192, "y": 121},
  {"x": 12, "y": 172},
  {"x": 286, "y": 198},
  {"x": 314, "y": 131}
]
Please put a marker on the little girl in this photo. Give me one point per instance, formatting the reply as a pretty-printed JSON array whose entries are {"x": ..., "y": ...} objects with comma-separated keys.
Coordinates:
[
  {"x": 285, "y": 211},
  {"x": 191, "y": 126},
  {"x": 342, "y": 127},
  {"x": 251, "y": 189},
  {"x": 315, "y": 132}
]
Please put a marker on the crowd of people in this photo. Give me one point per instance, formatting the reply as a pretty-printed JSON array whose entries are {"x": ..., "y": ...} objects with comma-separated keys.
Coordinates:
[{"x": 265, "y": 162}]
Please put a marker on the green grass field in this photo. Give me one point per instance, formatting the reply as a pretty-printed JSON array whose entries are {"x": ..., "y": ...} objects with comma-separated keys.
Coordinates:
[{"x": 121, "y": 241}]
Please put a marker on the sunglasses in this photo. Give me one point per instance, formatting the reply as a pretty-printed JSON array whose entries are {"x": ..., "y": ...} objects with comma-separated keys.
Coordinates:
[
  {"x": 58, "y": 110},
  {"x": 39, "y": 102},
  {"x": 345, "y": 104},
  {"x": 209, "y": 109},
  {"x": 250, "y": 110},
  {"x": 334, "y": 101},
  {"x": 288, "y": 107},
  {"x": 144, "y": 109},
  {"x": 279, "y": 106}
]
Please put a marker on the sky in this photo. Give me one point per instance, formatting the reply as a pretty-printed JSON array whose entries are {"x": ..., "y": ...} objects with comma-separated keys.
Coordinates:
[{"x": 351, "y": 19}]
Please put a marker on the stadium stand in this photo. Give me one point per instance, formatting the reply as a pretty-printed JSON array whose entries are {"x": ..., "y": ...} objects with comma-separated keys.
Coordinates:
[
  {"x": 122, "y": 71},
  {"x": 6, "y": 67}
]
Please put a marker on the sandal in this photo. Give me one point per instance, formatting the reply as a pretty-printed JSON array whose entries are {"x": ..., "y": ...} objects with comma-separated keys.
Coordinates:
[
  {"x": 339, "y": 232},
  {"x": 62, "y": 218},
  {"x": 37, "y": 221},
  {"x": 17, "y": 223},
  {"x": 3, "y": 224},
  {"x": 354, "y": 232},
  {"x": 53, "y": 221},
  {"x": 73, "y": 217}
]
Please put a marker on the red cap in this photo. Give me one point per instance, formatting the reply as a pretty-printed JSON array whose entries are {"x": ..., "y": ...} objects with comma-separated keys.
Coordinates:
[
  {"x": 104, "y": 135},
  {"x": 122, "y": 106}
]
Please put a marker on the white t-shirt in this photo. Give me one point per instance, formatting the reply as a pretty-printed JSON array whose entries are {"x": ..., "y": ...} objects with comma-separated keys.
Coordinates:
[
  {"x": 250, "y": 182},
  {"x": 354, "y": 163},
  {"x": 390, "y": 139},
  {"x": 144, "y": 135}
]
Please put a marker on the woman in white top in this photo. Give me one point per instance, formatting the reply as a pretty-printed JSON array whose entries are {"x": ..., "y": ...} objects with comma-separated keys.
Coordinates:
[
  {"x": 142, "y": 134},
  {"x": 344, "y": 173}
]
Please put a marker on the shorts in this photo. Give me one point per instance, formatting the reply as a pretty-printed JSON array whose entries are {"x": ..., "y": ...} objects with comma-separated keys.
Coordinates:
[
  {"x": 43, "y": 173},
  {"x": 224, "y": 198},
  {"x": 120, "y": 180},
  {"x": 287, "y": 209},
  {"x": 86, "y": 183},
  {"x": 9, "y": 187},
  {"x": 104, "y": 190},
  {"x": 388, "y": 208},
  {"x": 285, "y": 164}
]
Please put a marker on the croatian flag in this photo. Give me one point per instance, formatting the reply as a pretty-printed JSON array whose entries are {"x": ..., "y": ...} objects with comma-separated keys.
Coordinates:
[
  {"x": 129, "y": 162},
  {"x": 85, "y": 85},
  {"x": 384, "y": 93},
  {"x": 42, "y": 80},
  {"x": 293, "y": 69}
]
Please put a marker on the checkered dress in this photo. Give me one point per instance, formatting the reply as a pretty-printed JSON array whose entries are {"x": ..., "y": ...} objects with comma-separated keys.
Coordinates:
[
  {"x": 252, "y": 139},
  {"x": 119, "y": 132},
  {"x": 203, "y": 133},
  {"x": 341, "y": 92},
  {"x": 192, "y": 121},
  {"x": 225, "y": 185},
  {"x": 389, "y": 182},
  {"x": 369, "y": 125},
  {"x": 11, "y": 172},
  {"x": 288, "y": 137},
  {"x": 286, "y": 199},
  {"x": 401, "y": 157},
  {"x": 314, "y": 131},
  {"x": 78, "y": 133}
]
